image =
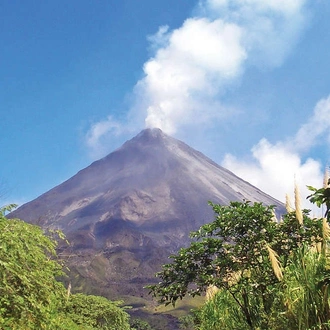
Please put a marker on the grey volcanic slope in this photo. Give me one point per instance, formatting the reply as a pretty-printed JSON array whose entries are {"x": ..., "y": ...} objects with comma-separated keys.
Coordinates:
[{"x": 136, "y": 205}]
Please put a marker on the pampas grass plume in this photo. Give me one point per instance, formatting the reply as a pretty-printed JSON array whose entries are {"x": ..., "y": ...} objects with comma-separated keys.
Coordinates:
[
  {"x": 69, "y": 290},
  {"x": 274, "y": 218},
  {"x": 210, "y": 292},
  {"x": 325, "y": 229},
  {"x": 288, "y": 204},
  {"x": 297, "y": 201},
  {"x": 326, "y": 178},
  {"x": 273, "y": 257}
]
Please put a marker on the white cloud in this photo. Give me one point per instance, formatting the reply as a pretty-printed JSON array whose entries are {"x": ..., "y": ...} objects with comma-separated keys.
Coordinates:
[
  {"x": 99, "y": 132},
  {"x": 184, "y": 77},
  {"x": 282, "y": 6},
  {"x": 274, "y": 166},
  {"x": 193, "y": 66},
  {"x": 271, "y": 28},
  {"x": 316, "y": 128}
]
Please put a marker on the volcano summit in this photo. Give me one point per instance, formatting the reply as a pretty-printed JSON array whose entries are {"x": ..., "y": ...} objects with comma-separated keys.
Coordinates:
[{"x": 125, "y": 213}]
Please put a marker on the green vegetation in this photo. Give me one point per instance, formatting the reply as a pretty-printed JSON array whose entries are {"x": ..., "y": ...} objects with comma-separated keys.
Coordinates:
[
  {"x": 94, "y": 312},
  {"x": 258, "y": 273},
  {"x": 303, "y": 296},
  {"x": 31, "y": 297},
  {"x": 139, "y": 324},
  {"x": 321, "y": 197},
  {"x": 300, "y": 300},
  {"x": 29, "y": 293}
]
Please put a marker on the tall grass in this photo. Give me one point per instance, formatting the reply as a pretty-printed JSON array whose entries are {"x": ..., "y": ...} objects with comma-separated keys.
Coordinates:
[
  {"x": 221, "y": 312},
  {"x": 303, "y": 296},
  {"x": 301, "y": 299}
]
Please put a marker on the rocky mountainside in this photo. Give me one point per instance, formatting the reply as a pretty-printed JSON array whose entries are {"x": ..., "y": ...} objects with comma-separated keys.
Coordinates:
[{"x": 124, "y": 214}]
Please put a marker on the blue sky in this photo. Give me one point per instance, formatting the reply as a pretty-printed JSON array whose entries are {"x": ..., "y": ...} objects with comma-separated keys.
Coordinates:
[{"x": 247, "y": 82}]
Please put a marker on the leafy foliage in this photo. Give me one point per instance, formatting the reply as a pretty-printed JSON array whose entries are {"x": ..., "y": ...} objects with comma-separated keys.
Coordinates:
[
  {"x": 221, "y": 312},
  {"x": 301, "y": 299},
  {"x": 321, "y": 197},
  {"x": 190, "y": 321},
  {"x": 29, "y": 292},
  {"x": 233, "y": 253},
  {"x": 30, "y": 296},
  {"x": 139, "y": 324},
  {"x": 303, "y": 295},
  {"x": 96, "y": 312}
]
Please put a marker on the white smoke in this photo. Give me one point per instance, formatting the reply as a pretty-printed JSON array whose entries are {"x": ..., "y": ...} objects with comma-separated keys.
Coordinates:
[
  {"x": 193, "y": 66},
  {"x": 183, "y": 79},
  {"x": 98, "y": 135},
  {"x": 271, "y": 27}
]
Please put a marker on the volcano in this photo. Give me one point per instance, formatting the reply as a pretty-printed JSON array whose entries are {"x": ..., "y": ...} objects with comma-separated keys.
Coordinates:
[{"x": 125, "y": 213}]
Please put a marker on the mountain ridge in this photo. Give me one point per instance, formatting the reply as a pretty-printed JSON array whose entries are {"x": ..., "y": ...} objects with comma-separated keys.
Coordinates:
[{"x": 125, "y": 213}]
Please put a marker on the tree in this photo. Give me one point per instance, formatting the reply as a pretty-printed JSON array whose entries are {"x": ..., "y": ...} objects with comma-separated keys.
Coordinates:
[
  {"x": 96, "y": 312},
  {"x": 29, "y": 292},
  {"x": 139, "y": 324},
  {"x": 30, "y": 296},
  {"x": 236, "y": 253},
  {"x": 321, "y": 197}
]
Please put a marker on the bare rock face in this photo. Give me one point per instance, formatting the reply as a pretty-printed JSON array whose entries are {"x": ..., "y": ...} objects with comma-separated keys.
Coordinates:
[{"x": 125, "y": 213}]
